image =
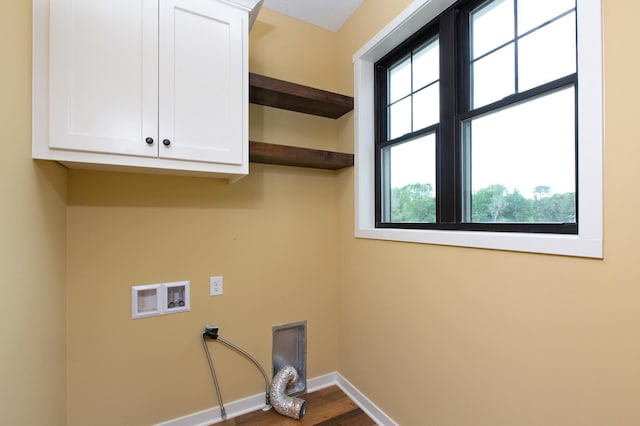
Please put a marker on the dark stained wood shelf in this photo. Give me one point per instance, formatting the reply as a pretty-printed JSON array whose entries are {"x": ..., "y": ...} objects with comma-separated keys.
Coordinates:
[
  {"x": 295, "y": 97},
  {"x": 284, "y": 155},
  {"x": 281, "y": 94}
]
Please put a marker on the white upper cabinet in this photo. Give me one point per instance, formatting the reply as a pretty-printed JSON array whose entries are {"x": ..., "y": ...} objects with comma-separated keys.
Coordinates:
[{"x": 150, "y": 84}]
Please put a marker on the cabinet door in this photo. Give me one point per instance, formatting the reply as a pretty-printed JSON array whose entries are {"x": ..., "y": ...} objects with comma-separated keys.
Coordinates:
[
  {"x": 203, "y": 81},
  {"x": 103, "y": 76}
]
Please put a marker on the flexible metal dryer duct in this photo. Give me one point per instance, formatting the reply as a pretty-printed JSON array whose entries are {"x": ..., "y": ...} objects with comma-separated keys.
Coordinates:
[{"x": 281, "y": 402}]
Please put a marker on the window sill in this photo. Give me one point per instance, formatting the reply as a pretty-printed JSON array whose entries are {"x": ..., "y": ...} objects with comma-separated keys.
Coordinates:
[{"x": 568, "y": 245}]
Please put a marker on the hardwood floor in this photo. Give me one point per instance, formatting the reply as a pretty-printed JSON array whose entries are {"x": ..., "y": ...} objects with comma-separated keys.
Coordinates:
[{"x": 326, "y": 407}]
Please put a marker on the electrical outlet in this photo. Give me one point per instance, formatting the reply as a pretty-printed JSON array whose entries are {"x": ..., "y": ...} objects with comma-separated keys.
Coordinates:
[{"x": 215, "y": 286}]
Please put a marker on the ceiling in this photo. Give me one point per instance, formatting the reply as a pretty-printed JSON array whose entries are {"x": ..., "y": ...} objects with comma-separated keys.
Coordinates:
[{"x": 328, "y": 14}]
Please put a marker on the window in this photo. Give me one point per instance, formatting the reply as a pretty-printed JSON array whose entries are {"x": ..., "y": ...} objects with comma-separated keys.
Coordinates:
[
  {"x": 492, "y": 144},
  {"x": 479, "y": 123}
]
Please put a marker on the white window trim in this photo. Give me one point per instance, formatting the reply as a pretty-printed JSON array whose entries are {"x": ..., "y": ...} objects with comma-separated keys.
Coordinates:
[{"x": 588, "y": 242}]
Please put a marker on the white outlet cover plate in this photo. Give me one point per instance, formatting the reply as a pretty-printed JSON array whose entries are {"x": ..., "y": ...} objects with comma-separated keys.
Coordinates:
[{"x": 215, "y": 286}]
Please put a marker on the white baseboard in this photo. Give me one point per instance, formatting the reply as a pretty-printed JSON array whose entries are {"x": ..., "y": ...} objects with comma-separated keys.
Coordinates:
[
  {"x": 365, "y": 404},
  {"x": 256, "y": 402}
]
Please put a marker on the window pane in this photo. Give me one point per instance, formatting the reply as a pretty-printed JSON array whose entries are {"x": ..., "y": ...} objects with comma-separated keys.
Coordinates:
[
  {"x": 522, "y": 162},
  {"x": 491, "y": 26},
  {"x": 400, "y": 118},
  {"x": 493, "y": 77},
  {"x": 426, "y": 107},
  {"x": 533, "y": 13},
  {"x": 426, "y": 65},
  {"x": 413, "y": 180},
  {"x": 400, "y": 80},
  {"x": 548, "y": 53}
]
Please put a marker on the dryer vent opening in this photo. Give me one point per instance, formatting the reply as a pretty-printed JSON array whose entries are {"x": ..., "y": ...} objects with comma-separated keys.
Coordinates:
[{"x": 290, "y": 348}]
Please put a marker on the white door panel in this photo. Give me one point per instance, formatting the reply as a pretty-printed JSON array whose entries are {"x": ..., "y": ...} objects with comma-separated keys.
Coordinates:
[
  {"x": 201, "y": 81},
  {"x": 103, "y": 76}
]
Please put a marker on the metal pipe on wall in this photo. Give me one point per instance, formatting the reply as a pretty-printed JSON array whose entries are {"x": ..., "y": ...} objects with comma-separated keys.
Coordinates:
[{"x": 211, "y": 333}]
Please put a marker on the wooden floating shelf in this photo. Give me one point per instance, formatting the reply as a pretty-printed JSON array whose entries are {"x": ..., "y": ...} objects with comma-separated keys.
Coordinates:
[
  {"x": 281, "y": 94},
  {"x": 284, "y": 155}
]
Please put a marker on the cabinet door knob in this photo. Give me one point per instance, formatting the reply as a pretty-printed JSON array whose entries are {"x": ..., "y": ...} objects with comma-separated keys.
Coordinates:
[
  {"x": 166, "y": 142},
  {"x": 149, "y": 141}
]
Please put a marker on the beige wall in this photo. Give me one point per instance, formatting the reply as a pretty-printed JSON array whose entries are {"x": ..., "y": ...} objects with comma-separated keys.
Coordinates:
[
  {"x": 453, "y": 336},
  {"x": 32, "y": 246},
  {"x": 273, "y": 236}
]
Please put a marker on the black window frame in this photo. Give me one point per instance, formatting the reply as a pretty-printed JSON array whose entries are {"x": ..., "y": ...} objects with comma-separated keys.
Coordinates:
[{"x": 452, "y": 29}]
